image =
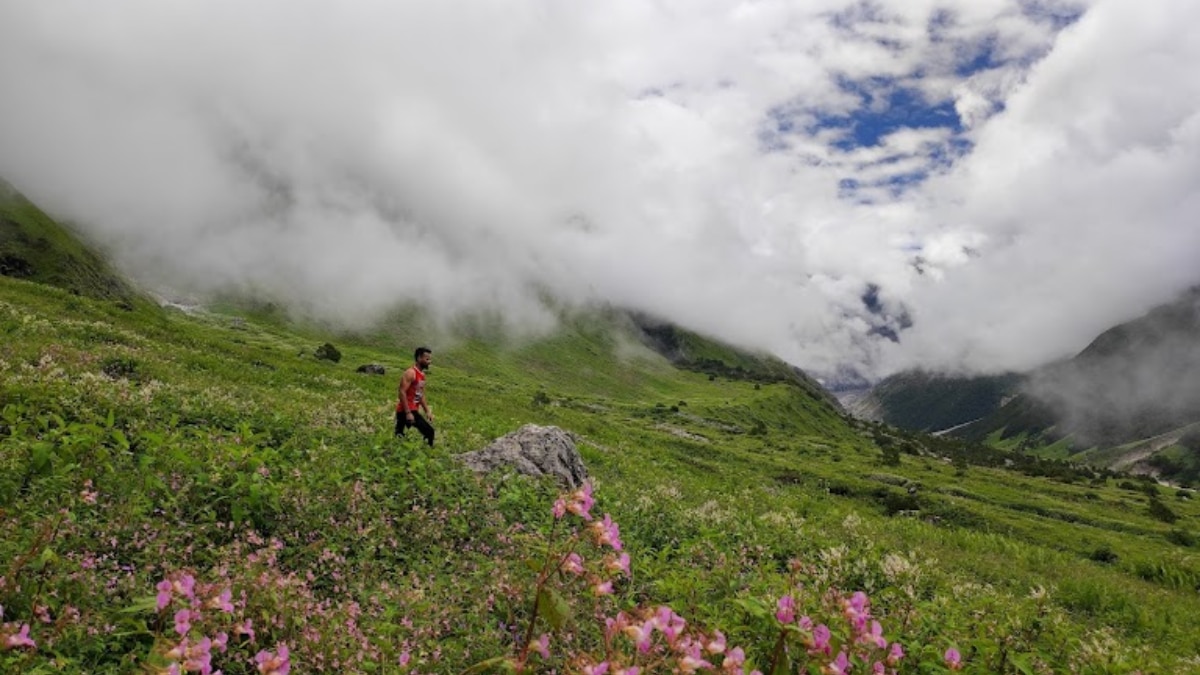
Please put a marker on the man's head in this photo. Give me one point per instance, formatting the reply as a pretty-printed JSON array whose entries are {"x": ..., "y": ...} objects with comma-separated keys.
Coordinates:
[{"x": 422, "y": 356}]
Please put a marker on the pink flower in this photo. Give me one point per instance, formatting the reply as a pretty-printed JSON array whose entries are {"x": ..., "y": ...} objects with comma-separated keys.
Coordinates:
[
  {"x": 164, "y": 594},
  {"x": 715, "y": 644},
  {"x": 221, "y": 642},
  {"x": 631, "y": 670},
  {"x": 602, "y": 588},
  {"x": 786, "y": 610},
  {"x": 274, "y": 663},
  {"x": 693, "y": 659},
  {"x": 405, "y": 657},
  {"x": 222, "y": 602},
  {"x": 641, "y": 635},
  {"x": 613, "y": 626},
  {"x": 178, "y": 651},
  {"x": 199, "y": 657},
  {"x": 820, "y": 640},
  {"x": 560, "y": 509},
  {"x": 840, "y": 665},
  {"x": 580, "y": 502},
  {"x": 20, "y": 639},
  {"x": 573, "y": 564},
  {"x": 598, "y": 669},
  {"x": 616, "y": 564},
  {"x": 183, "y": 621},
  {"x": 878, "y": 668},
  {"x": 670, "y": 623},
  {"x": 858, "y": 603},
  {"x": 245, "y": 628},
  {"x": 895, "y": 654},
  {"x": 186, "y": 586},
  {"x": 953, "y": 659},
  {"x": 607, "y": 533},
  {"x": 873, "y": 637},
  {"x": 734, "y": 660},
  {"x": 542, "y": 645}
]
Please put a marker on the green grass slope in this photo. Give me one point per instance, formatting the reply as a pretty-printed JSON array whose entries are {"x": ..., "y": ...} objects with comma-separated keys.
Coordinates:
[
  {"x": 35, "y": 247},
  {"x": 139, "y": 449},
  {"x": 924, "y": 401}
]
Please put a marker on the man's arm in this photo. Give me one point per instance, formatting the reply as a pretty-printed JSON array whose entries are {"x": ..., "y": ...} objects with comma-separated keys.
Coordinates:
[{"x": 405, "y": 383}]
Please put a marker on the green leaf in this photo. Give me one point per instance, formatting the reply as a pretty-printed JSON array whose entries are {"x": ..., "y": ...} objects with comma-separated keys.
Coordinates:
[
  {"x": 1022, "y": 663},
  {"x": 553, "y": 608},
  {"x": 483, "y": 666},
  {"x": 146, "y": 603}
]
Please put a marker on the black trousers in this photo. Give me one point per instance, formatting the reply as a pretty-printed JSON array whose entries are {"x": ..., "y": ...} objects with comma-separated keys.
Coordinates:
[{"x": 419, "y": 422}]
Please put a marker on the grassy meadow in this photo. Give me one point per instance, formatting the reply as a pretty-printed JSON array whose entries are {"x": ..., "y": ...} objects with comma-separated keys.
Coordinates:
[{"x": 197, "y": 492}]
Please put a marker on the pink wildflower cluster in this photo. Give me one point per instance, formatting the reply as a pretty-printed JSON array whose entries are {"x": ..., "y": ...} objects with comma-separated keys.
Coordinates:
[
  {"x": 662, "y": 641},
  {"x": 13, "y": 636},
  {"x": 604, "y": 533},
  {"x": 579, "y": 503},
  {"x": 204, "y": 609},
  {"x": 636, "y": 642},
  {"x": 865, "y": 643}
]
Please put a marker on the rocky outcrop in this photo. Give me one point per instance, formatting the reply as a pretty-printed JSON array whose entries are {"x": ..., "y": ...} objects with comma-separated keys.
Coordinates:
[
  {"x": 532, "y": 451},
  {"x": 371, "y": 369}
]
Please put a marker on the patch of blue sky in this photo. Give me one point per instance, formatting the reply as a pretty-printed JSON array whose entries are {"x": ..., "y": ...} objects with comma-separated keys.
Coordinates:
[
  {"x": 1058, "y": 14},
  {"x": 982, "y": 56},
  {"x": 901, "y": 108}
]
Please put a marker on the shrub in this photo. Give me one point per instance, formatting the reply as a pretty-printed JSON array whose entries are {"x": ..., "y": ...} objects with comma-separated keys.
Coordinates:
[
  {"x": 327, "y": 352},
  {"x": 1161, "y": 511},
  {"x": 120, "y": 368},
  {"x": 1103, "y": 554},
  {"x": 1181, "y": 537}
]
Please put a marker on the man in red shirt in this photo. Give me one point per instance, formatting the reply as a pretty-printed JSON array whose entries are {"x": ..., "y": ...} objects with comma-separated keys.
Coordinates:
[{"x": 412, "y": 397}]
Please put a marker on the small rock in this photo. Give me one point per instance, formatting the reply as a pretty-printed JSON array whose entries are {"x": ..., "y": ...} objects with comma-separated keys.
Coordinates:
[{"x": 371, "y": 369}]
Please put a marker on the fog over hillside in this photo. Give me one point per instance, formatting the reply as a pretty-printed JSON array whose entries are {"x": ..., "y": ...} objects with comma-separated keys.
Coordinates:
[
  {"x": 964, "y": 185},
  {"x": 1134, "y": 381}
]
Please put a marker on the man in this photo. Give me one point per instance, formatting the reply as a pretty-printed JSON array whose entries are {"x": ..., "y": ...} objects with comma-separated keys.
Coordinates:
[{"x": 412, "y": 397}]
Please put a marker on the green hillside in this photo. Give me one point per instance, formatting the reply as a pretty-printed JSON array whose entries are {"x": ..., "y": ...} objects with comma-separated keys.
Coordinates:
[
  {"x": 140, "y": 448},
  {"x": 925, "y": 401},
  {"x": 35, "y": 247}
]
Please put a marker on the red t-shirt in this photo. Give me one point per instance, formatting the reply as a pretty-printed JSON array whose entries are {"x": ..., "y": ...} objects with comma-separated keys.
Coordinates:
[{"x": 416, "y": 391}]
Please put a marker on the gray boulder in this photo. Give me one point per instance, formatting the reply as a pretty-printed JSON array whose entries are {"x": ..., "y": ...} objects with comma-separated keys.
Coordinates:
[
  {"x": 371, "y": 369},
  {"x": 532, "y": 451}
]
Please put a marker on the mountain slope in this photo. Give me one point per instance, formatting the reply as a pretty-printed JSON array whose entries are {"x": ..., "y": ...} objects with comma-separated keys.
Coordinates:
[
  {"x": 924, "y": 401},
  {"x": 1130, "y": 394},
  {"x": 35, "y": 247}
]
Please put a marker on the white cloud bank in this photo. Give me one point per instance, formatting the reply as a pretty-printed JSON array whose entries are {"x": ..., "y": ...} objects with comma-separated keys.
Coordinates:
[{"x": 678, "y": 157}]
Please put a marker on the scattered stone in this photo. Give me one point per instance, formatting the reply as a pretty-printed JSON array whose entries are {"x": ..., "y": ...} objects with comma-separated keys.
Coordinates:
[
  {"x": 532, "y": 450},
  {"x": 371, "y": 369}
]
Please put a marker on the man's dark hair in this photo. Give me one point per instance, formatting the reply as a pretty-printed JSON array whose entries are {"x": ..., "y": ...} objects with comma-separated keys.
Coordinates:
[{"x": 421, "y": 350}]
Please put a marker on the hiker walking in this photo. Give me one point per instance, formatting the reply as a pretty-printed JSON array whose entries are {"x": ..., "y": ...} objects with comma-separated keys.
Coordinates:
[{"x": 412, "y": 396}]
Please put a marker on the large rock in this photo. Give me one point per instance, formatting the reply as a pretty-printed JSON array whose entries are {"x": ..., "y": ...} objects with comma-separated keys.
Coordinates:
[
  {"x": 532, "y": 451},
  {"x": 371, "y": 369}
]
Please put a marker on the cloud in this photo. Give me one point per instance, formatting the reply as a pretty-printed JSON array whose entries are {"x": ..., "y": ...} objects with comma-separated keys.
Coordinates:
[{"x": 1010, "y": 177}]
